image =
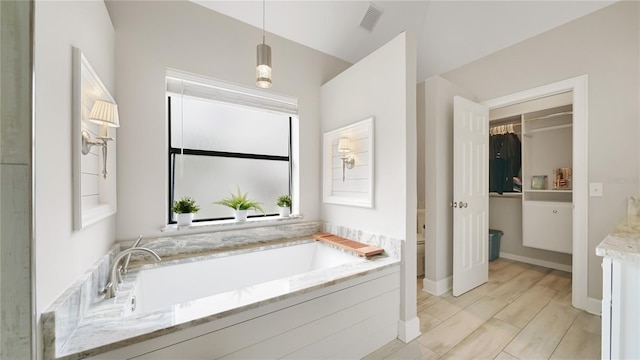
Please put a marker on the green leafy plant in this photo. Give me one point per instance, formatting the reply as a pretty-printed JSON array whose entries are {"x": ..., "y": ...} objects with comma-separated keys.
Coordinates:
[
  {"x": 240, "y": 201},
  {"x": 185, "y": 205},
  {"x": 284, "y": 201}
]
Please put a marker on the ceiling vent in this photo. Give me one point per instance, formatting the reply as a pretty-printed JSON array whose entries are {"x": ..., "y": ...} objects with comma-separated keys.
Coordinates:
[{"x": 371, "y": 17}]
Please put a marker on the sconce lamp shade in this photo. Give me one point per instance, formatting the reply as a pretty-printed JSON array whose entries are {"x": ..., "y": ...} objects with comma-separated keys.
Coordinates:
[
  {"x": 263, "y": 69},
  {"x": 105, "y": 113},
  {"x": 344, "y": 145}
]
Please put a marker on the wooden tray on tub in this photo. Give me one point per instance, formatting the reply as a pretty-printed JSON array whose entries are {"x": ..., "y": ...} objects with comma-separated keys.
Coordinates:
[{"x": 363, "y": 250}]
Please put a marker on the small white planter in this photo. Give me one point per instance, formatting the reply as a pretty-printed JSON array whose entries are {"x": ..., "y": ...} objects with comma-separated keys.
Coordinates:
[
  {"x": 240, "y": 215},
  {"x": 284, "y": 211},
  {"x": 184, "y": 219}
]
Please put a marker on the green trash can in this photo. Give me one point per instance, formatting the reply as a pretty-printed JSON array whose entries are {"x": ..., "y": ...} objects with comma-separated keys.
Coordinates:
[{"x": 494, "y": 244}]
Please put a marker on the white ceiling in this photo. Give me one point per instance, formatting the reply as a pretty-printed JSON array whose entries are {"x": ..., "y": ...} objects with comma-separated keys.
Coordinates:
[{"x": 449, "y": 33}]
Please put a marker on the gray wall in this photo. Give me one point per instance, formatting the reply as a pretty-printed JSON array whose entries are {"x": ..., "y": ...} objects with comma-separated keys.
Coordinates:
[
  {"x": 420, "y": 129},
  {"x": 604, "y": 45},
  {"x": 62, "y": 254},
  {"x": 16, "y": 319},
  {"x": 155, "y": 35},
  {"x": 353, "y": 96}
]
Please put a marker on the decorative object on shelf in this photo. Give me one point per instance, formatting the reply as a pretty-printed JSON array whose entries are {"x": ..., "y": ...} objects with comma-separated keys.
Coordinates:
[
  {"x": 240, "y": 203},
  {"x": 263, "y": 69},
  {"x": 185, "y": 209},
  {"x": 104, "y": 113},
  {"x": 284, "y": 205},
  {"x": 348, "y": 161},
  {"x": 539, "y": 182},
  {"x": 343, "y": 148},
  {"x": 562, "y": 178}
]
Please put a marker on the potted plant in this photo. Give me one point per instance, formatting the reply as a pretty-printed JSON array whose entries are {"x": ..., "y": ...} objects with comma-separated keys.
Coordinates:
[
  {"x": 284, "y": 203},
  {"x": 185, "y": 208},
  {"x": 240, "y": 204}
]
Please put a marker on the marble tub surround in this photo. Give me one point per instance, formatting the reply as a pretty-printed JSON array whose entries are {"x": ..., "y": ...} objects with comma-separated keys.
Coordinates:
[
  {"x": 633, "y": 205},
  {"x": 222, "y": 225},
  {"x": 183, "y": 246},
  {"x": 98, "y": 325},
  {"x": 392, "y": 247},
  {"x": 623, "y": 242},
  {"x": 66, "y": 314}
]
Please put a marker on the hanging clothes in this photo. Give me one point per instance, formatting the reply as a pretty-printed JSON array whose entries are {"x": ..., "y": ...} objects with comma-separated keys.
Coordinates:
[{"x": 505, "y": 160}]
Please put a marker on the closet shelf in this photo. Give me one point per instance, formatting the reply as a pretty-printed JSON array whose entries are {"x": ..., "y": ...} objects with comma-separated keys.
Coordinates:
[
  {"x": 549, "y": 128},
  {"x": 548, "y": 191},
  {"x": 506, "y": 194},
  {"x": 551, "y": 115}
]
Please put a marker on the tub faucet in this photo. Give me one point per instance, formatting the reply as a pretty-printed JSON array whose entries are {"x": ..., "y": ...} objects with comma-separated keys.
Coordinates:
[
  {"x": 125, "y": 268},
  {"x": 111, "y": 289}
]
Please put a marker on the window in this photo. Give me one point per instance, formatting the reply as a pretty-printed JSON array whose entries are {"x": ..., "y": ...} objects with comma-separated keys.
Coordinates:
[{"x": 216, "y": 147}]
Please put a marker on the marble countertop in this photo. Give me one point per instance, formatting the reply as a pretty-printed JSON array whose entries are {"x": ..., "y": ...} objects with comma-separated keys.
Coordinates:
[
  {"x": 101, "y": 329},
  {"x": 623, "y": 242}
]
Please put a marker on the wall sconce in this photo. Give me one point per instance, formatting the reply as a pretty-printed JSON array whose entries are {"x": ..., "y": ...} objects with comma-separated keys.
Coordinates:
[
  {"x": 106, "y": 114},
  {"x": 344, "y": 147}
]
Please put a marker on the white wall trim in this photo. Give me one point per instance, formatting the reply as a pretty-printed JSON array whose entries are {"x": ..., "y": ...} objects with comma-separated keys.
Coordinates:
[
  {"x": 539, "y": 262},
  {"x": 409, "y": 330},
  {"x": 594, "y": 306},
  {"x": 579, "y": 86},
  {"x": 439, "y": 287}
]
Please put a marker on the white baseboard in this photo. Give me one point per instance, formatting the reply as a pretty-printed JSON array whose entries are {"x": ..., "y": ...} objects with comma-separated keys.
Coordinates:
[
  {"x": 532, "y": 261},
  {"x": 439, "y": 287},
  {"x": 409, "y": 330},
  {"x": 594, "y": 306}
]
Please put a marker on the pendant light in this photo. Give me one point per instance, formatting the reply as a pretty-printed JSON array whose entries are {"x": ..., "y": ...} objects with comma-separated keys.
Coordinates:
[{"x": 263, "y": 70}]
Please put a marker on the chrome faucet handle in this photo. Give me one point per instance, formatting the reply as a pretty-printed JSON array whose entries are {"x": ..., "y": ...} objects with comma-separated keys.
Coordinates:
[
  {"x": 125, "y": 269},
  {"x": 108, "y": 290},
  {"x": 119, "y": 275}
]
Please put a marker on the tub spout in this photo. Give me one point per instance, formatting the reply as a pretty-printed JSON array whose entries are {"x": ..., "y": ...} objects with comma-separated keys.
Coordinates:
[{"x": 111, "y": 289}]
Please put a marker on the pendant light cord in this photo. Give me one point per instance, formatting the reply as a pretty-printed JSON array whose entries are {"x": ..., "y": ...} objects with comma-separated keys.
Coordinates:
[{"x": 263, "y": 8}]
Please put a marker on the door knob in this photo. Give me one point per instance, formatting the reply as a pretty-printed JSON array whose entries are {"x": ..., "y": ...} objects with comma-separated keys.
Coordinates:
[{"x": 453, "y": 204}]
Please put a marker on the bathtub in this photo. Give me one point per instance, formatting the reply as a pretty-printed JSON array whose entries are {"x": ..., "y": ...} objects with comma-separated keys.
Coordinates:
[
  {"x": 247, "y": 302},
  {"x": 230, "y": 281}
]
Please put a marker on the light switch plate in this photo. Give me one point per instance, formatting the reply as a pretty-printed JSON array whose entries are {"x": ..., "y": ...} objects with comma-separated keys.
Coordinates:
[{"x": 595, "y": 189}]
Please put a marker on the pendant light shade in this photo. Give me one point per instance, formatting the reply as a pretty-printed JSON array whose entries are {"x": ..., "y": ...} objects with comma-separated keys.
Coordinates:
[{"x": 263, "y": 69}]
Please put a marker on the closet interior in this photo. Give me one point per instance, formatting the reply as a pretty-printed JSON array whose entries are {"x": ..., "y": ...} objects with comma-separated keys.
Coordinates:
[{"x": 530, "y": 178}]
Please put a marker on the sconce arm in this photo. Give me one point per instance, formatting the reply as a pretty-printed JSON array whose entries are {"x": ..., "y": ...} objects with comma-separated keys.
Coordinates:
[
  {"x": 87, "y": 143},
  {"x": 348, "y": 162}
]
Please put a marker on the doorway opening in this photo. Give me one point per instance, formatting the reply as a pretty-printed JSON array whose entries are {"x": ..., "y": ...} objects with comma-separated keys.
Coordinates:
[
  {"x": 577, "y": 87},
  {"x": 530, "y": 181}
]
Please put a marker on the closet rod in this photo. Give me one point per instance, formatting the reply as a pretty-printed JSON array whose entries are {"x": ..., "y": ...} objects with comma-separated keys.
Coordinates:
[
  {"x": 504, "y": 124},
  {"x": 551, "y": 115}
]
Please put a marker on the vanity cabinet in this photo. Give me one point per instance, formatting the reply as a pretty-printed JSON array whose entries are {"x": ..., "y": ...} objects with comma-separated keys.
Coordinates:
[
  {"x": 620, "y": 309},
  {"x": 547, "y": 225}
]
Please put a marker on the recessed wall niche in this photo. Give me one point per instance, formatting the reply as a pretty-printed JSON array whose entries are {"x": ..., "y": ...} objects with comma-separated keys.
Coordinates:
[
  {"x": 348, "y": 165},
  {"x": 94, "y": 197}
]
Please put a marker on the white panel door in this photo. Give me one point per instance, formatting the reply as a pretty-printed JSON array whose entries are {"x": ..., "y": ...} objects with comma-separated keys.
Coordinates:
[{"x": 470, "y": 195}]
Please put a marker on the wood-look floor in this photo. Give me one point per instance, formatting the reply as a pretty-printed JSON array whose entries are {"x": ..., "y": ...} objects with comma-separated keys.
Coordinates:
[{"x": 523, "y": 312}]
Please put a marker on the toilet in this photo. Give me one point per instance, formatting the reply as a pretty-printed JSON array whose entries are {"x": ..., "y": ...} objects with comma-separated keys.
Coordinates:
[{"x": 420, "y": 245}]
